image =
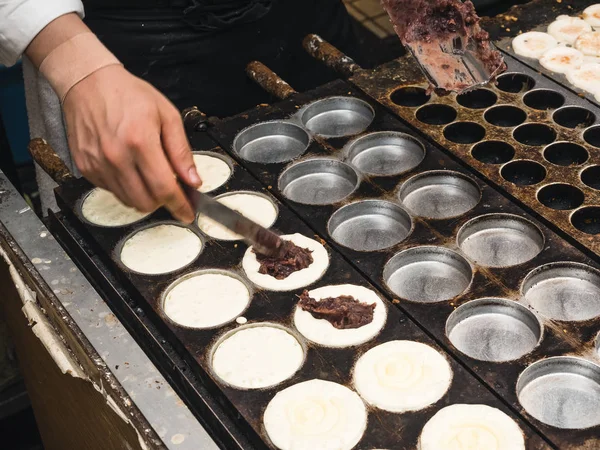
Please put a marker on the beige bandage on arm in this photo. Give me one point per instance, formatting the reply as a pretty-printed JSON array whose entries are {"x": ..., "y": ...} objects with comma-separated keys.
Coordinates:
[{"x": 74, "y": 60}]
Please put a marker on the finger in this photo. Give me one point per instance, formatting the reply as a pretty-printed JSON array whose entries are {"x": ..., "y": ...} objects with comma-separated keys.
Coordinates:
[
  {"x": 135, "y": 190},
  {"x": 177, "y": 147}
]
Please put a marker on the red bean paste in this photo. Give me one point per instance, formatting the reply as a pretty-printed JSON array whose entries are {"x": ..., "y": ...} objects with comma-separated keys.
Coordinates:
[
  {"x": 292, "y": 259},
  {"x": 343, "y": 312}
]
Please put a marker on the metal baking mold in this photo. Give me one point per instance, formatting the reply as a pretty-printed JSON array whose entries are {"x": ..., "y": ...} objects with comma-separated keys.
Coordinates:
[
  {"x": 514, "y": 83},
  {"x": 439, "y": 194},
  {"x": 590, "y": 176},
  {"x": 587, "y": 220},
  {"x": 544, "y": 99},
  {"x": 369, "y": 225},
  {"x": 563, "y": 392},
  {"x": 493, "y": 152},
  {"x": 523, "y": 172},
  {"x": 464, "y": 132},
  {"x": 574, "y": 117},
  {"x": 494, "y": 329},
  {"x": 505, "y": 116},
  {"x": 318, "y": 181},
  {"x": 385, "y": 153},
  {"x": 477, "y": 98},
  {"x": 500, "y": 240},
  {"x": 565, "y": 291},
  {"x": 560, "y": 196},
  {"x": 227, "y": 160},
  {"x": 337, "y": 116},
  {"x": 427, "y": 274},
  {"x": 566, "y": 154},
  {"x": 271, "y": 142},
  {"x": 436, "y": 114}
]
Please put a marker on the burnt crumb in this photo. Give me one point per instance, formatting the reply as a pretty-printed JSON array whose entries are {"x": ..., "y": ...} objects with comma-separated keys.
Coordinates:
[
  {"x": 343, "y": 312},
  {"x": 294, "y": 259}
]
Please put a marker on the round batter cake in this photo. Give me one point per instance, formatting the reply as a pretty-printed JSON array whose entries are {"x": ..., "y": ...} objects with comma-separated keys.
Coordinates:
[
  {"x": 206, "y": 300},
  {"x": 296, "y": 280},
  {"x": 102, "y": 208},
  {"x": 322, "y": 332},
  {"x": 473, "y": 427},
  {"x": 257, "y": 356},
  {"x": 316, "y": 414},
  {"x": 257, "y": 208},
  {"x": 214, "y": 172},
  {"x": 160, "y": 249},
  {"x": 567, "y": 29},
  {"x": 401, "y": 376},
  {"x": 533, "y": 44}
]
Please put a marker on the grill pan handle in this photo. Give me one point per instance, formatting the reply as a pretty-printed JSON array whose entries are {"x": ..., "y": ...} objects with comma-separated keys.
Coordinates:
[
  {"x": 320, "y": 49},
  {"x": 45, "y": 156},
  {"x": 269, "y": 80}
]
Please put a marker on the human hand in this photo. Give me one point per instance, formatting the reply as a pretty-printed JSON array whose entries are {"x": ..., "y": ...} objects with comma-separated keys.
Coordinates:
[{"x": 126, "y": 137}]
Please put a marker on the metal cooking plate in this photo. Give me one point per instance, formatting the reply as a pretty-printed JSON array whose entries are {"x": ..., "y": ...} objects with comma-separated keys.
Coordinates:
[
  {"x": 439, "y": 194},
  {"x": 500, "y": 240},
  {"x": 318, "y": 181},
  {"x": 385, "y": 153},
  {"x": 337, "y": 116},
  {"x": 369, "y": 225},
  {"x": 563, "y": 392},
  {"x": 564, "y": 291},
  {"x": 427, "y": 274},
  {"x": 271, "y": 142},
  {"x": 493, "y": 329}
]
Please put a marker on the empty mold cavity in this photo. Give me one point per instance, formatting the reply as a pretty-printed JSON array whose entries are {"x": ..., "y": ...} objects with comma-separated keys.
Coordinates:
[
  {"x": 427, "y": 274},
  {"x": 515, "y": 83},
  {"x": 574, "y": 117},
  {"x": 318, "y": 181},
  {"x": 477, "y": 99},
  {"x": 439, "y": 194},
  {"x": 591, "y": 177},
  {"x": 338, "y": 116},
  {"x": 534, "y": 134},
  {"x": 566, "y": 154},
  {"x": 560, "y": 196},
  {"x": 436, "y": 114},
  {"x": 410, "y": 96},
  {"x": 587, "y": 220},
  {"x": 543, "y": 99},
  {"x": 500, "y": 240},
  {"x": 385, "y": 153},
  {"x": 563, "y": 392},
  {"x": 369, "y": 225},
  {"x": 464, "y": 132},
  {"x": 271, "y": 142},
  {"x": 564, "y": 291},
  {"x": 493, "y": 152},
  {"x": 494, "y": 329},
  {"x": 523, "y": 172},
  {"x": 592, "y": 136},
  {"x": 505, "y": 116}
]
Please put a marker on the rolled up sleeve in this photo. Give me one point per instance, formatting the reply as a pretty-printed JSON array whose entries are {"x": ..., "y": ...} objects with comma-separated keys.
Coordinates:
[{"x": 22, "y": 20}]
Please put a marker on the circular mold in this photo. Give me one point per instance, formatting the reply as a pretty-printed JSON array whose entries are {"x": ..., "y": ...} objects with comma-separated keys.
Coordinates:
[
  {"x": 411, "y": 96},
  {"x": 515, "y": 83},
  {"x": 523, "y": 172},
  {"x": 587, "y": 219},
  {"x": 214, "y": 169},
  {"x": 505, "y": 116},
  {"x": 591, "y": 177},
  {"x": 534, "y": 134},
  {"x": 337, "y": 116},
  {"x": 436, "y": 114},
  {"x": 564, "y": 291},
  {"x": 493, "y": 152},
  {"x": 206, "y": 299},
  {"x": 318, "y": 181},
  {"x": 543, "y": 99},
  {"x": 385, "y": 153},
  {"x": 592, "y": 136},
  {"x": 563, "y": 392},
  {"x": 102, "y": 208},
  {"x": 257, "y": 356},
  {"x": 500, "y": 240},
  {"x": 573, "y": 117},
  {"x": 439, "y": 194},
  {"x": 369, "y": 225},
  {"x": 477, "y": 99},
  {"x": 560, "y": 196},
  {"x": 427, "y": 274},
  {"x": 464, "y": 132},
  {"x": 493, "y": 329},
  {"x": 566, "y": 154},
  {"x": 271, "y": 142}
]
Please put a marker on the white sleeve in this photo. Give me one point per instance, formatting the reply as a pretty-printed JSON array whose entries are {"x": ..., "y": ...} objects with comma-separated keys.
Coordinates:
[{"x": 22, "y": 20}]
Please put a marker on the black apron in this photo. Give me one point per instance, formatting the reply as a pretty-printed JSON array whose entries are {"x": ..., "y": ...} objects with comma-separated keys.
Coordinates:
[{"x": 196, "y": 51}]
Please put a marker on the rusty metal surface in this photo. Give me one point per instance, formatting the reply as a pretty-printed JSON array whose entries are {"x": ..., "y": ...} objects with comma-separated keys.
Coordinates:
[
  {"x": 49, "y": 161},
  {"x": 264, "y": 77},
  {"x": 331, "y": 56},
  {"x": 560, "y": 338}
]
